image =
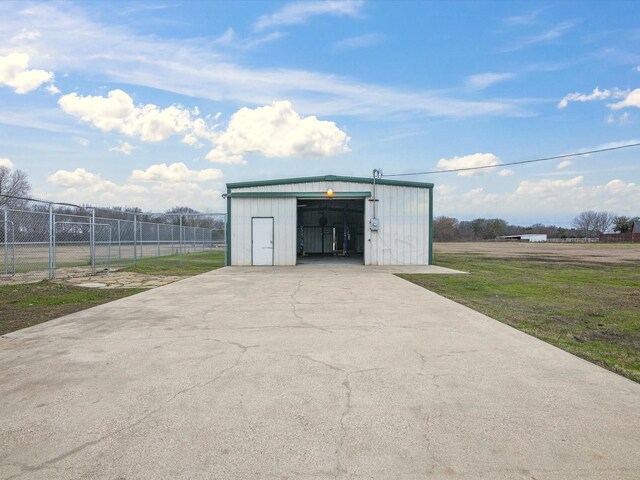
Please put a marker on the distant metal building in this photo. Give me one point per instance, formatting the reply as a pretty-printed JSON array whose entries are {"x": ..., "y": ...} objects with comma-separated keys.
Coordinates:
[
  {"x": 289, "y": 221},
  {"x": 526, "y": 237}
]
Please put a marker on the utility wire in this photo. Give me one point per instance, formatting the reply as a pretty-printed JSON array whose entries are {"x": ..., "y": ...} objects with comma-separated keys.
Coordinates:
[{"x": 544, "y": 159}]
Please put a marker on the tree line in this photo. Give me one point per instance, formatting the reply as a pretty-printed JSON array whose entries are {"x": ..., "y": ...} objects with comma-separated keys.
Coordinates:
[{"x": 587, "y": 224}]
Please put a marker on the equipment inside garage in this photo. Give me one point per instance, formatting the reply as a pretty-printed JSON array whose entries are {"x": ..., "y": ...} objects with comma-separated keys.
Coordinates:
[{"x": 330, "y": 228}]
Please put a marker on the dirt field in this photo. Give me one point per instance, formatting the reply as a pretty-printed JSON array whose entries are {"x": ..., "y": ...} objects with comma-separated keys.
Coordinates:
[{"x": 568, "y": 252}]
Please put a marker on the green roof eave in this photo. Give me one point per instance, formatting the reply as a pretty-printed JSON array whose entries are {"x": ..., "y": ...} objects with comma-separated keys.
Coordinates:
[{"x": 328, "y": 178}]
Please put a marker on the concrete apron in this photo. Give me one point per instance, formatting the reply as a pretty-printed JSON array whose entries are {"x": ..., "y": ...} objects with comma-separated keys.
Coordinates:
[{"x": 304, "y": 373}]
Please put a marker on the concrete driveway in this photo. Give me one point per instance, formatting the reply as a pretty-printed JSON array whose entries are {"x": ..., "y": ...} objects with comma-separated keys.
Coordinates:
[{"x": 308, "y": 372}]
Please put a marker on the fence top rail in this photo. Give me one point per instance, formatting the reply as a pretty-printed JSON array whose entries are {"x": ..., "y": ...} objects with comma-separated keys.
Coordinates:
[
  {"x": 104, "y": 209},
  {"x": 83, "y": 223}
]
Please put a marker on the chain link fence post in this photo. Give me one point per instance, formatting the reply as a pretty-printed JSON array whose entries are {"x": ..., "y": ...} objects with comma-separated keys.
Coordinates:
[
  {"x": 47, "y": 240},
  {"x": 135, "y": 236},
  {"x": 119, "y": 244},
  {"x": 52, "y": 255},
  {"x": 6, "y": 240},
  {"x": 92, "y": 241},
  {"x": 180, "y": 239}
]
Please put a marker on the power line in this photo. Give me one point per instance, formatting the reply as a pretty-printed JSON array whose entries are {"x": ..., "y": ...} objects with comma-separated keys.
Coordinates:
[{"x": 544, "y": 159}]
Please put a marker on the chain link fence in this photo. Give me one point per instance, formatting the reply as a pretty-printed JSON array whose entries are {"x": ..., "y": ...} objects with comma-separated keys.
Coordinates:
[{"x": 44, "y": 240}]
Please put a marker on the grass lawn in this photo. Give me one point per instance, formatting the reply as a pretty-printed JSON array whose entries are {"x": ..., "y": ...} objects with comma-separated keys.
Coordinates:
[
  {"x": 591, "y": 310},
  {"x": 192, "y": 264},
  {"x": 24, "y": 305},
  {"x": 28, "y": 304}
]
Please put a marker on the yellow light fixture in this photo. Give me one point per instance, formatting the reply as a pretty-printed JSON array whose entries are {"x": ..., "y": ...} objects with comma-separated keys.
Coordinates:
[{"x": 329, "y": 193}]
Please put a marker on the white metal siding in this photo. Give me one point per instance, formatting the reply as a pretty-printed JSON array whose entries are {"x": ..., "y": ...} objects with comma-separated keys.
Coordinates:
[
  {"x": 403, "y": 212},
  {"x": 283, "y": 211}
]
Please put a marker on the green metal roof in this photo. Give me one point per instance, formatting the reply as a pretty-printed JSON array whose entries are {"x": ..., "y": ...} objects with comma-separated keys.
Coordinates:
[{"x": 328, "y": 178}]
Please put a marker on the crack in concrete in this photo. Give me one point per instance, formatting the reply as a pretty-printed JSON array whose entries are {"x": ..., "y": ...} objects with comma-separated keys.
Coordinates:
[
  {"x": 294, "y": 305},
  {"x": 339, "y": 468},
  {"x": 423, "y": 360},
  {"x": 449, "y": 354},
  {"x": 79, "y": 448}
]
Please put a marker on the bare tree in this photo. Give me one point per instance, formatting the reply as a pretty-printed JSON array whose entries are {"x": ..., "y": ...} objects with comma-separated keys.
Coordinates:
[
  {"x": 604, "y": 221},
  {"x": 585, "y": 222},
  {"x": 13, "y": 184}
]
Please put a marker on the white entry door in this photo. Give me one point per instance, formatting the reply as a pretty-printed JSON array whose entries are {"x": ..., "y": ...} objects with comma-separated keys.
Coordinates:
[{"x": 262, "y": 241}]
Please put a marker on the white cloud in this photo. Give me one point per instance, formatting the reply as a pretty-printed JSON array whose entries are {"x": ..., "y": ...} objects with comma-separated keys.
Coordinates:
[
  {"x": 15, "y": 73},
  {"x": 77, "y": 177},
  {"x": 5, "y": 162},
  {"x": 484, "y": 80},
  {"x": 624, "y": 118},
  {"x": 564, "y": 164},
  {"x": 505, "y": 172},
  {"x": 552, "y": 198},
  {"x": 597, "y": 94},
  {"x": 277, "y": 131},
  {"x": 254, "y": 42},
  {"x": 469, "y": 161},
  {"x": 124, "y": 147},
  {"x": 300, "y": 12},
  {"x": 230, "y": 39},
  {"x": 527, "y": 19},
  {"x": 544, "y": 37},
  {"x": 197, "y": 69},
  {"x": 477, "y": 197},
  {"x": 84, "y": 187},
  {"x": 632, "y": 99},
  {"x": 150, "y": 123},
  {"x": 546, "y": 187},
  {"x": 637, "y": 69},
  {"x": 52, "y": 89},
  {"x": 25, "y": 35},
  {"x": 445, "y": 189},
  {"x": 81, "y": 141},
  {"x": 227, "y": 37},
  {"x": 361, "y": 41},
  {"x": 604, "y": 146},
  {"x": 176, "y": 172}
]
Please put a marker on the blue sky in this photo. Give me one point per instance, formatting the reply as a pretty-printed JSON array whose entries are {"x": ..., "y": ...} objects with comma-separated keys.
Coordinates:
[{"x": 159, "y": 104}]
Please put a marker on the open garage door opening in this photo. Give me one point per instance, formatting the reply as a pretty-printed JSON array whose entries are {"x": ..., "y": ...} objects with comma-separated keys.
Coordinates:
[{"x": 330, "y": 231}]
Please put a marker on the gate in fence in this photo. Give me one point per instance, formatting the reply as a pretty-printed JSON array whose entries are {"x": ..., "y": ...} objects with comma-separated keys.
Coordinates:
[{"x": 80, "y": 245}]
